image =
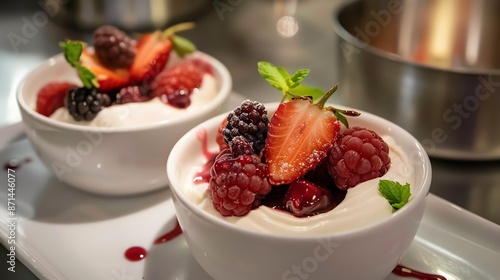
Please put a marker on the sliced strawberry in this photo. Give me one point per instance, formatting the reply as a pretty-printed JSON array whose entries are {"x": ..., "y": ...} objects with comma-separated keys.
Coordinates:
[
  {"x": 108, "y": 79},
  {"x": 51, "y": 97},
  {"x": 300, "y": 135},
  {"x": 152, "y": 54},
  {"x": 219, "y": 138}
]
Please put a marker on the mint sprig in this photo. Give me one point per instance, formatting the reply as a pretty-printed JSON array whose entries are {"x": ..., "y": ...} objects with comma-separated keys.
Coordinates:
[
  {"x": 396, "y": 194},
  {"x": 289, "y": 85},
  {"x": 72, "y": 51}
]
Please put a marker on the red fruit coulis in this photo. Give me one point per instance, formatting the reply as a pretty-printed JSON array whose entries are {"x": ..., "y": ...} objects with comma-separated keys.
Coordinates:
[
  {"x": 137, "y": 253},
  {"x": 169, "y": 235},
  {"x": 404, "y": 271},
  {"x": 14, "y": 164},
  {"x": 203, "y": 175}
]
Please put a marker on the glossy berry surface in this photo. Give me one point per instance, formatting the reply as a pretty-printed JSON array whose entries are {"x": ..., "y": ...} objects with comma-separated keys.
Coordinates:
[
  {"x": 174, "y": 85},
  {"x": 84, "y": 104},
  {"x": 237, "y": 183},
  {"x": 240, "y": 146},
  {"x": 51, "y": 97},
  {"x": 130, "y": 94},
  {"x": 250, "y": 121},
  {"x": 113, "y": 47},
  {"x": 300, "y": 135},
  {"x": 305, "y": 198},
  {"x": 360, "y": 154}
]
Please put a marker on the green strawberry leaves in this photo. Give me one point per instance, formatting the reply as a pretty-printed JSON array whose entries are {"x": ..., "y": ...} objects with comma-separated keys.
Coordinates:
[
  {"x": 180, "y": 45},
  {"x": 289, "y": 85},
  {"x": 396, "y": 194},
  {"x": 72, "y": 51}
]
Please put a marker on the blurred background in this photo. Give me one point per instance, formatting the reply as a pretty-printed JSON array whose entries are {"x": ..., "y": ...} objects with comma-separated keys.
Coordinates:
[{"x": 295, "y": 34}]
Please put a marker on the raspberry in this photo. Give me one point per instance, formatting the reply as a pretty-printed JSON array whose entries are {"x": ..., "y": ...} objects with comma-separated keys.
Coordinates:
[
  {"x": 174, "y": 85},
  {"x": 113, "y": 47},
  {"x": 84, "y": 104},
  {"x": 250, "y": 121},
  {"x": 359, "y": 155},
  {"x": 237, "y": 183},
  {"x": 132, "y": 94}
]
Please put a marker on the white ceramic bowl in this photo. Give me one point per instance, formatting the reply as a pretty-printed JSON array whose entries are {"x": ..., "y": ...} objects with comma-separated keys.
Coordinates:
[
  {"x": 108, "y": 160},
  {"x": 228, "y": 251}
]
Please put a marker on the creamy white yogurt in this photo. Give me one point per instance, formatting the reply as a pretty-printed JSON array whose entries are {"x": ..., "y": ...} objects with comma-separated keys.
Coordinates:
[
  {"x": 362, "y": 206},
  {"x": 140, "y": 113}
]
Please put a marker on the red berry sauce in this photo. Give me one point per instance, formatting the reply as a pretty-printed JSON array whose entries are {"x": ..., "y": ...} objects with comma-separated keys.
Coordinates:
[
  {"x": 136, "y": 253},
  {"x": 170, "y": 235},
  {"x": 203, "y": 176},
  {"x": 404, "y": 271},
  {"x": 14, "y": 164}
]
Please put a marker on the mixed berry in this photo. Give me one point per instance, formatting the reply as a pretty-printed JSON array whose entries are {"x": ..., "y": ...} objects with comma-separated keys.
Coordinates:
[
  {"x": 121, "y": 70},
  {"x": 300, "y": 161}
]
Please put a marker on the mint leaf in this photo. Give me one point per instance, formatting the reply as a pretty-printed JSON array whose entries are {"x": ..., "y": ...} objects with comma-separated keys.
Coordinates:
[
  {"x": 297, "y": 77},
  {"x": 182, "y": 46},
  {"x": 276, "y": 77},
  {"x": 396, "y": 194},
  {"x": 303, "y": 90},
  {"x": 72, "y": 51},
  {"x": 88, "y": 78}
]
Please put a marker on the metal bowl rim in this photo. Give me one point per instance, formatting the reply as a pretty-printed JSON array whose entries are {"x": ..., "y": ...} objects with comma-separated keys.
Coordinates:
[{"x": 349, "y": 38}]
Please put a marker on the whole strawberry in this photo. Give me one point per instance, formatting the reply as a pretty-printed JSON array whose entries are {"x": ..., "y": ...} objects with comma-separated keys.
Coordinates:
[{"x": 360, "y": 154}]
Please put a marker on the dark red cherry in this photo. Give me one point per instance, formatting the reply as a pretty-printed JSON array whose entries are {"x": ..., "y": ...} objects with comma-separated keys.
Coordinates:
[{"x": 304, "y": 198}]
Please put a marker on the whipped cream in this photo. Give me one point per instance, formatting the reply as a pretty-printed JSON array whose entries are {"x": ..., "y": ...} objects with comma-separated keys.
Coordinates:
[
  {"x": 140, "y": 113},
  {"x": 362, "y": 206}
]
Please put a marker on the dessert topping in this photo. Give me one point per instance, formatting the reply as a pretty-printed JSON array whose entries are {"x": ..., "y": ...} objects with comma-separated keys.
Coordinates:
[
  {"x": 360, "y": 154},
  {"x": 396, "y": 194},
  {"x": 113, "y": 47},
  {"x": 250, "y": 121}
]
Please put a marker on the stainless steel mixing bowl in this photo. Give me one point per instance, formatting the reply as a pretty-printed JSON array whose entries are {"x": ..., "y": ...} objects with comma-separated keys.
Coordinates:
[{"x": 431, "y": 66}]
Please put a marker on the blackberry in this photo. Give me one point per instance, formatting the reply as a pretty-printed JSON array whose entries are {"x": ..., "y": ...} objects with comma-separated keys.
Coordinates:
[
  {"x": 113, "y": 47},
  {"x": 84, "y": 104},
  {"x": 132, "y": 94},
  {"x": 250, "y": 121},
  {"x": 240, "y": 146}
]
